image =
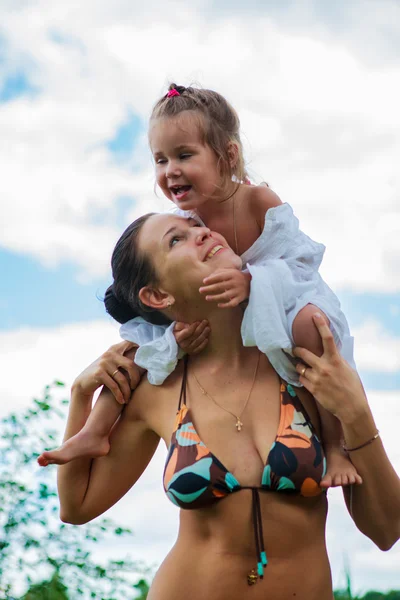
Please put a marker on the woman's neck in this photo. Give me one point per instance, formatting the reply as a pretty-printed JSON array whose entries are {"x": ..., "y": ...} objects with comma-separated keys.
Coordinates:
[{"x": 225, "y": 346}]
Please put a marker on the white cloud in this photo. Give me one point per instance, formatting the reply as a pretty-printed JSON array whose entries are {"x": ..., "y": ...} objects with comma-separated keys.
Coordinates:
[
  {"x": 31, "y": 358},
  {"x": 370, "y": 568},
  {"x": 322, "y": 124},
  {"x": 375, "y": 349}
]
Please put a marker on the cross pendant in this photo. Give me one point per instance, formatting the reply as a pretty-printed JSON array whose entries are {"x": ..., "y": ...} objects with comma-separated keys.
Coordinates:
[{"x": 239, "y": 424}]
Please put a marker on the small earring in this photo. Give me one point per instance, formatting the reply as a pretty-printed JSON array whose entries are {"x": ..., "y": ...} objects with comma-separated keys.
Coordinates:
[{"x": 169, "y": 304}]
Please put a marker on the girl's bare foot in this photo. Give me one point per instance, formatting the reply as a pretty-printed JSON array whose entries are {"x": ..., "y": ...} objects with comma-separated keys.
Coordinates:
[
  {"x": 82, "y": 445},
  {"x": 340, "y": 470}
]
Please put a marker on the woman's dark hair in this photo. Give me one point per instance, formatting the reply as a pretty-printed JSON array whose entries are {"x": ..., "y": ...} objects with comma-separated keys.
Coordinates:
[
  {"x": 131, "y": 271},
  {"x": 218, "y": 121}
]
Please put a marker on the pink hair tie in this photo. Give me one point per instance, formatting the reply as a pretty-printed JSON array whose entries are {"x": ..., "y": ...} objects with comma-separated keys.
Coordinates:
[{"x": 173, "y": 92}]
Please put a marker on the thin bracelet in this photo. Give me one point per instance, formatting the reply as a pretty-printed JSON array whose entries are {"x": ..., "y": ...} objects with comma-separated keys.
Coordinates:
[{"x": 362, "y": 445}]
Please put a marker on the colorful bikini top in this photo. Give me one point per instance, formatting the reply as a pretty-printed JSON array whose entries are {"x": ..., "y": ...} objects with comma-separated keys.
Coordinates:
[{"x": 195, "y": 478}]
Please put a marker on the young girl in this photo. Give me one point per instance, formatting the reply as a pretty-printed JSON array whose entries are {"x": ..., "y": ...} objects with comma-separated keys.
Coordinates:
[{"x": 194, "y": 138}]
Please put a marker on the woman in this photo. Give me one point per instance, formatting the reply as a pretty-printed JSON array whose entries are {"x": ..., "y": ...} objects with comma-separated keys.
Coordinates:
[{"x": 256, "y": 512}]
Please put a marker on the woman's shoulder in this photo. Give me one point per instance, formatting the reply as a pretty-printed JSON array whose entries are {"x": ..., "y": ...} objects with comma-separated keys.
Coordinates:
[{"x": 157, "y": 404}]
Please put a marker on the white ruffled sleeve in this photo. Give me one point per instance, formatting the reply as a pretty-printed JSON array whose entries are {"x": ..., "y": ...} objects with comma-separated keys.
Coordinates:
[
  {"x": 283, "y": 263},
  {"x": 158, "y": 351}
]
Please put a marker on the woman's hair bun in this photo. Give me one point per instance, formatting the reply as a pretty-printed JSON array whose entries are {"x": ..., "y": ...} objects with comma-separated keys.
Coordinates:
[{"x": 119, "y": 310}]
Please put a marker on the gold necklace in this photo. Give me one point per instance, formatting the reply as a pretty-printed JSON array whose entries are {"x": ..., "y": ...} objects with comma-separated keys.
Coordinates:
[
  {"x": 234, "y": 224},
  {"x": 239, "y": 423}
]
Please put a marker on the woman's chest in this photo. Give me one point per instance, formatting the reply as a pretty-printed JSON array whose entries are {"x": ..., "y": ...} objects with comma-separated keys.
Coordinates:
[
  {"x": 231, "y": 431},
  {"x": 274, "y": 447}
]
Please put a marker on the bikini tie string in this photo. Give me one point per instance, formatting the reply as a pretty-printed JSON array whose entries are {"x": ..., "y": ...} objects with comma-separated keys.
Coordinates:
[{"x": 261, "y": 556}]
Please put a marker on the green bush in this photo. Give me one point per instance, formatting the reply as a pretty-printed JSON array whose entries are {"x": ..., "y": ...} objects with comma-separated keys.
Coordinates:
[{"x": 39, "y": 553}]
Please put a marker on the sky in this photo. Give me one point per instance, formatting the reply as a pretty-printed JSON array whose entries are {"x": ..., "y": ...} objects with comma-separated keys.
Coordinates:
[{"x": 315, "y": 84}]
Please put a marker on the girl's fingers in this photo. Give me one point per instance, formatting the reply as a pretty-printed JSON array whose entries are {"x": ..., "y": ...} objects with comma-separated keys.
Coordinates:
[
  {"x": 191, "y": 346},
  {"x": 200, "y": 348},
  {"x": 224, "y": 297},
  {"x": 200, "y": 339},
  {"x": 186, "y": 333},
  {"x": 328, "y": 342},
  {"x": 216, "y": 288},
  {"x": 200, "y": 328},
  {"x": 231, "y": 304},
  {"x": 216, "y": 277},
  {"x": 186, "y": 337},
  {"x": 179, "y": 326}
]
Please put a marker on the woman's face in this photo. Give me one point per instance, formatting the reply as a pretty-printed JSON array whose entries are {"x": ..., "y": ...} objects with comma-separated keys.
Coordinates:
[{"x": 183, "y": 254}]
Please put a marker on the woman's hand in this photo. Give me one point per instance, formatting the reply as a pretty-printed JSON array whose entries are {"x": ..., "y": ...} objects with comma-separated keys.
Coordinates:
[
  {"x": 228, "y": 287},
  {"x": 106, "y": 370},
  {"x": 330, "y": 379},
  {"x": 337, "y": 387}
]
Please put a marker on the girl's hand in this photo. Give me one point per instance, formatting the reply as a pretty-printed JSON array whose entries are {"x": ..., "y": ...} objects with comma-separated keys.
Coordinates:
[
  {"x": 192, "y": 338},
  {"x": 228, "y": 287},
  {"x": 330, "y": 379},
  {"x": 106, "y": 370}
]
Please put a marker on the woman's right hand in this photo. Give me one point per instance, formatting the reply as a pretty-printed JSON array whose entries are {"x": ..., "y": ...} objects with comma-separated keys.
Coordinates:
[
  {"x": 115, "y": 369},
  {"x": 330, "y": 379}
]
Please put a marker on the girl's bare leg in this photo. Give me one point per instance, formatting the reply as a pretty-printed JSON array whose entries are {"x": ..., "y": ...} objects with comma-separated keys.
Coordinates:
[
  {"x": 92, "y": 439},
  {"x": 340, "y": 471}
]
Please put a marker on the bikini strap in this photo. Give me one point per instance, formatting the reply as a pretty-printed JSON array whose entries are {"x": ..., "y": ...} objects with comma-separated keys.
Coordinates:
[
  {"x": 300, "y": 405},
  {"x": 184, "y": 382}
]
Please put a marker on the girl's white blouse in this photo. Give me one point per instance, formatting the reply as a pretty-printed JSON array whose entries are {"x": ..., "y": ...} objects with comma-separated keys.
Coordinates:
[{"x": 283, "y": 263}]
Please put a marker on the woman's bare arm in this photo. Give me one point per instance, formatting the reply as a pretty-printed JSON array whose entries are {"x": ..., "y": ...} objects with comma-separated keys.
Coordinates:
[
  {"x": 88, "y": 487},
  {"x": 374, "y": 505}
]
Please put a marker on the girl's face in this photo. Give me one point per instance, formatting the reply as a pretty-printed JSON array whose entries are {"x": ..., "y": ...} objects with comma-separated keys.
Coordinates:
[
  {"x": 183, "y": 254},
  {"x": 186, "y": 168}
]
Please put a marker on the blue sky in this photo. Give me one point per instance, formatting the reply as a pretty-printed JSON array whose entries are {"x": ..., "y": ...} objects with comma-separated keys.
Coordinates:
[
  {"x": 39, "y": 296},
  {"x": 315, "y": 85},
  {"x": 15, "y": 85}
]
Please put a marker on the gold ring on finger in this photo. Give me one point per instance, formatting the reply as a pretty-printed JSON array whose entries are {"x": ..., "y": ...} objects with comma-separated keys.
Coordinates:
[
  {"x": 304, "y": 369},
  {"x": 115, "y": 372}
]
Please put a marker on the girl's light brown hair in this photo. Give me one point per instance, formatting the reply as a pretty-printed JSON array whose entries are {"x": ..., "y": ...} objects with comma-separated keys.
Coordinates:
[{"x": 219, "y": 124}]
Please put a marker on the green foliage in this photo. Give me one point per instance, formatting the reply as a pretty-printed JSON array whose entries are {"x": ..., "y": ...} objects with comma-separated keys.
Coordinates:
[
  {"x": 37, "y": 551},
  {"x": 393, "y": 595},
  {"x": 47, "y": 590},
  {"x": 348, "y": 595},
  {"x": 143, "y": 587}
]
